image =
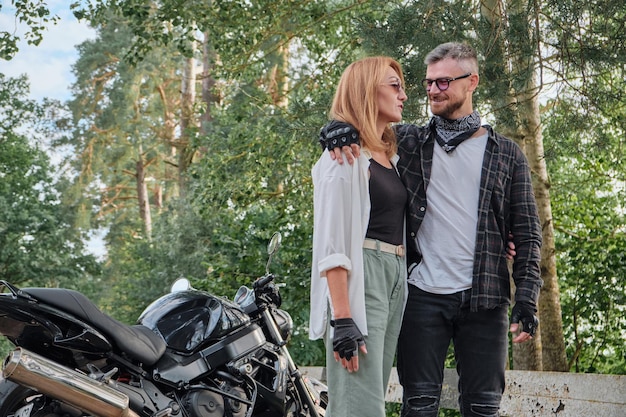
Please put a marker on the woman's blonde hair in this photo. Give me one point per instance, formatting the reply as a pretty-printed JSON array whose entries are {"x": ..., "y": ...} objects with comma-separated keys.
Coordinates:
[{"x": 356, "y": 101}]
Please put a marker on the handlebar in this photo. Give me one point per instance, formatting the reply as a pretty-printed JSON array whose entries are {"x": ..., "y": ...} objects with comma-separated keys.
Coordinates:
[{"x": 263, "y": 281}]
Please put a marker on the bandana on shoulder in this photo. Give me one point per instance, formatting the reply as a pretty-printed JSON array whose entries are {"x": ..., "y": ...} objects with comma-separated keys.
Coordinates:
[{"x": 450, "y": 133}]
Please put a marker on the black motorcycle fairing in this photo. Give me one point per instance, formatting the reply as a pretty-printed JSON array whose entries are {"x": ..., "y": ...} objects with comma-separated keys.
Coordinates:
[
  {"x": 42, "y": 328},
  {"x": 189, "y": 320},
  {"x": 138, "y": 342},
  {"x": 178, "y": 370},
  {"x": 284, "y": 323}
]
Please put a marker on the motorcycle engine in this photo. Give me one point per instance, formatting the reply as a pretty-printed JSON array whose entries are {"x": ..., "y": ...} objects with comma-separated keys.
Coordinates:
[{"x": 205, "y": 403}]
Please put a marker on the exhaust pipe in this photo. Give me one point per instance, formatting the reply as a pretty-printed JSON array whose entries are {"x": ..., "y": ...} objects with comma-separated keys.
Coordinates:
[{"x": 74, "y": 388}]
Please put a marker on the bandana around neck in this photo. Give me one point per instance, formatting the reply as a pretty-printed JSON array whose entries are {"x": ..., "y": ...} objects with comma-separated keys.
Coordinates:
[{"x": 450, "y": 133}]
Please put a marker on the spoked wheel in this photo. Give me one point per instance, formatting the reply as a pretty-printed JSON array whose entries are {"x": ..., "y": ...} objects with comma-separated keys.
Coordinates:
[{"x": 19, "y": 401}]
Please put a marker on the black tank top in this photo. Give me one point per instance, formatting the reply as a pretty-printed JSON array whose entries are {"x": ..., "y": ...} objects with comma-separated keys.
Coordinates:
[{"x": 388, "y": 197}]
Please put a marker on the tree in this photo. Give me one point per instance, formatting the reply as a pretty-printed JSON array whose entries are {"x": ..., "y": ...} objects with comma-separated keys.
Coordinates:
[{"x": 122, "y": 131}]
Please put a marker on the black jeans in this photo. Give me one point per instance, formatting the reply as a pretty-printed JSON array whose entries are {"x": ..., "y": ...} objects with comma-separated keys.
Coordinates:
[{"x": 480, "y": 340}]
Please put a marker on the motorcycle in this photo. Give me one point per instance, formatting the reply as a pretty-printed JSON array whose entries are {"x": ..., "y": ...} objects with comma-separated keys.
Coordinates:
[{"x": 192, "y": 354}]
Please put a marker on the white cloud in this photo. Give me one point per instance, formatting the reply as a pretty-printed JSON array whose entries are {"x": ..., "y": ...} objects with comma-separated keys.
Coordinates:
[{"x": 48, "y": 65}]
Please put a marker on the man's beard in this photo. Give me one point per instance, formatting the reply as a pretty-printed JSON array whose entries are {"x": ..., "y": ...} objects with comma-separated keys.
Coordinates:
[{"x": 448, "y": 109}]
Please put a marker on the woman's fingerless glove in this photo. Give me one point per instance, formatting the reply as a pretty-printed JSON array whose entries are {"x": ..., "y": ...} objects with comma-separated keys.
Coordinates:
[
  {"x": 338, "y": 134},
  {"x": 347, "y": 338}
]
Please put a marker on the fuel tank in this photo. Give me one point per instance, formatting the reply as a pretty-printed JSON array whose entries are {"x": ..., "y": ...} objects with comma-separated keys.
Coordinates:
[{"x": 189, "y": 320}]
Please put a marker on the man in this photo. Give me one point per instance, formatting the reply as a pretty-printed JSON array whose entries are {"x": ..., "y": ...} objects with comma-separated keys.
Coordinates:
[{"x": 469, "y": 187}]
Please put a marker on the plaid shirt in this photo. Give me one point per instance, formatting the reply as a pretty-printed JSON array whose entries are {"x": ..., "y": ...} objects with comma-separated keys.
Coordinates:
[{"x": 506, "y": 204}]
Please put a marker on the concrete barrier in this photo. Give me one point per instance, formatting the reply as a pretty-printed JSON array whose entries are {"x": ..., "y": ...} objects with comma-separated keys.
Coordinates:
[{"x": 535, "y": 394}]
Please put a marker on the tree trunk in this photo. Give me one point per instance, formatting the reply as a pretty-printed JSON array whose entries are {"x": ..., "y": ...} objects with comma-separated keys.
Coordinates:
[
  {"x": 142, "y": 197},
  {"x": 279, "y": 77},
  {"x": 188, "y": 98},
  {"x": 551, "y": 325},
  {"x": 529, "y": 137},
  {"x": 208, "y": 82},
  {"x": 168, "y": 136}
]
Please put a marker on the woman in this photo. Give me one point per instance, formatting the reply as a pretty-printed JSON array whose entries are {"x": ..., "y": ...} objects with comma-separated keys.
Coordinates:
[{"x": 358, "y": 272}]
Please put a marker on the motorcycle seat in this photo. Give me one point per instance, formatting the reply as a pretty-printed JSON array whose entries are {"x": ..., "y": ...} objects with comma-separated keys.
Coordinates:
[{"x": 138, "y": 342}]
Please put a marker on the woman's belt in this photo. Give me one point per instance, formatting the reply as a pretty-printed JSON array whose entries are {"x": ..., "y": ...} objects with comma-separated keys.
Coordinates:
[{"x": 397, "y": 250}]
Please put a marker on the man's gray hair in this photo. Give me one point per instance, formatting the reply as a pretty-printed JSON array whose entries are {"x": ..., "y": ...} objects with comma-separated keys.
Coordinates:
[{"x": 461, "y": 52}]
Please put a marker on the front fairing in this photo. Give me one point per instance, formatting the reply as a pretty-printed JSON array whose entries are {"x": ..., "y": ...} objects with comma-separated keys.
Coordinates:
[{"x": 187, "y": 320}]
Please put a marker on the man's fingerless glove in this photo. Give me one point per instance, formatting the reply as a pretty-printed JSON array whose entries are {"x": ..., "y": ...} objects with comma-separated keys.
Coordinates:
[
  {"x": 525, "y": 313},
  {"x": 337, "y": 134},
  {"x": 347, "y": 338}
]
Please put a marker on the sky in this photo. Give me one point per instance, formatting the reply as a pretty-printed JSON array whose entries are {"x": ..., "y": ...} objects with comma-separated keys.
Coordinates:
[{"x": 48, "y": 65}]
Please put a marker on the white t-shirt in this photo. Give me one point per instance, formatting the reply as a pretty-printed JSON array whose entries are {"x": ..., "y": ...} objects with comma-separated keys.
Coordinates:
[{"x": 447, "y": 235}]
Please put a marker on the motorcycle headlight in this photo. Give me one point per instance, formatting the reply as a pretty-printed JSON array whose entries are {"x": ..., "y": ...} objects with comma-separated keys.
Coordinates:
[{"x": 284, "y": 322}]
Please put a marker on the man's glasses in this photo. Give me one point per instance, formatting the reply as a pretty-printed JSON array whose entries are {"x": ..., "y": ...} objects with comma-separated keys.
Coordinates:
[{"x": 442, "y": 83}]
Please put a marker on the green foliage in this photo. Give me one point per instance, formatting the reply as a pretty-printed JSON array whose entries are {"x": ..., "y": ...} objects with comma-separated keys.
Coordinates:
[
  {"x": 408, "y": 32},
  {"x": 584, "y": 147},
  {"x": 37, "y": 244},
  {"x": 246, "y": 32},
  {"x": 587, "y": 168},
  {"x": 253, "y": 181}
]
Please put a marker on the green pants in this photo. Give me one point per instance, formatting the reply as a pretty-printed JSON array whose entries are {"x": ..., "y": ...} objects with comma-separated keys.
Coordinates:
[{"x": 362, "y": 393}]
